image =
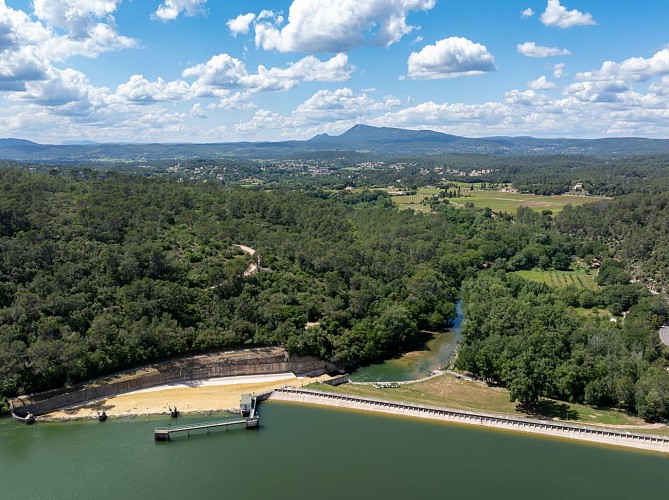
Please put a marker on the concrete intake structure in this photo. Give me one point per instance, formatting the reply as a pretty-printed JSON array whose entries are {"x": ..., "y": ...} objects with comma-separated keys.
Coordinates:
[{"x": 547, "y": 428}]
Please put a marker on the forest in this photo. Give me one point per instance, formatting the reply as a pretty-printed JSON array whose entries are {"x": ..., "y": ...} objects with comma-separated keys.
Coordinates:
[
  {"x": 112, "y": 271},
  {"x": 103, "y": 271}
]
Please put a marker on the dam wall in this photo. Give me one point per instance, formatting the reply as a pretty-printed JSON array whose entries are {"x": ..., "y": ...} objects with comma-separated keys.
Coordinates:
[{"x": 525, "y": 425}]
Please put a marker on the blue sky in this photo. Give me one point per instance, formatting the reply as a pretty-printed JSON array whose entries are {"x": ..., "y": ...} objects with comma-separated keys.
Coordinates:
[{"x": 213, "y": 71}]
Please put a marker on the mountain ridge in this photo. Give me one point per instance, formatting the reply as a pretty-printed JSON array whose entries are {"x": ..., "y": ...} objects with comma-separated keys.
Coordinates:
[{"x": 359, "y": 139}]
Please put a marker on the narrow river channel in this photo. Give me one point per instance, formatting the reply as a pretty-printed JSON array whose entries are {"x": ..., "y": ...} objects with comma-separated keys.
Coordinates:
[{"x": 418, "y": 364}]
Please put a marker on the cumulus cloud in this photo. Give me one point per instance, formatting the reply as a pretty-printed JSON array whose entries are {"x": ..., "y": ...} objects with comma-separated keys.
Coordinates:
[
  {"x": 77, "y": 27},
  {"x": 337, "y": 25},
  {"x": 558, "y": 70},
  {"x": 531, "y": 49},
  {"x": 342, "y": 104},
  {"x": 197, "y": 112},
  {"x": 331, "y": 111},
  {"x": 526, "y": 13},
  {"x": 226, "y": 72},
  {"x": 450, "y": 58},
  {"x": 635, "y": 68},
  {"x": 30, "y": 45},
  {"x": 660, "y": 88},
  {"x": 139, "y": 90},
  {"x": 525, "y": 98},
  {"x": 541, "y": 83},
  {"x": 241, "y": 24},
  {"x": 20, "y": 66},
  {"x": 75, "y": 16},
  {"x": 558, "y": 16},
  {"x": 169, "y": 10},
  {"x": 598, "y": 91}
]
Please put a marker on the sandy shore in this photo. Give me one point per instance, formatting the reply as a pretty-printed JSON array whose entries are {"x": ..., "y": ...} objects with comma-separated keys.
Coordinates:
[{"x": 201, "y": 396}]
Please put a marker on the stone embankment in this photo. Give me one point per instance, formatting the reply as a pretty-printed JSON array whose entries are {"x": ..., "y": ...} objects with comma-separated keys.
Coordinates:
[
  {"x": 516, "y": 424},
  {"x": 260, "y": 361}
]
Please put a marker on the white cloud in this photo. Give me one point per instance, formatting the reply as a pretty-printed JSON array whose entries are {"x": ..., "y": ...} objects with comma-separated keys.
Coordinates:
[
  {"x": 598, "y": 91},
  {"x": 525, "y": 98},
  {"x": 531, "y": 49},
  {"x": 541, "y": 83},
  {"x": 331, "y": 111},
  {"x": 138, "y": 90},
  {"x": 226, "y": 72},
  {"x": 241, "y": 24},
  {"x": 263, "y": 119},
  {"x": 63, "y": 29},
  {"x": 197, "y": 112},
  {"x": 341, "y": 104},
  {"x": 20, "y": 66},
  {"x": 526, "y": 13},
  {"x": 558, "y": 71},
  {"x": 558, "y": 16},
  {"x": 338, "y": 25},
  {"x": 77, "y": 17},
  {"x": 66, "y": 89},
  {"x": 450, "y": 58},
  {"x": 660, "y": 88},
  {"x": 238, "y": 100},
  {"x": 169, "y": 10},
  {"x": 635, "y": 68}
]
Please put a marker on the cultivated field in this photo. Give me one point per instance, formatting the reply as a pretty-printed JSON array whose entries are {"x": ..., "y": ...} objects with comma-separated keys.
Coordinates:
[
  {"x": 496, "y": 200},
  {"x": 500, "y": 201},
  {"x": 561, "y": 279}
]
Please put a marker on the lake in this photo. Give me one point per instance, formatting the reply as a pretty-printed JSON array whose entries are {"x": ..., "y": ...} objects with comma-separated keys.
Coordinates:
[{"x": 313, "y": 452}]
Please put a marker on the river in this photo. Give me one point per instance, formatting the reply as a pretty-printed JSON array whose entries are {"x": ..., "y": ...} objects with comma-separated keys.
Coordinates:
[
  {"x": 313, "y": 452},
  {"x": 418, "y": 364}
]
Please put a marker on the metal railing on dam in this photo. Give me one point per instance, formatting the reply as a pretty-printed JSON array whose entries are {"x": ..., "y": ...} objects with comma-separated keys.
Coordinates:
[{"x": 518, "y": 424}]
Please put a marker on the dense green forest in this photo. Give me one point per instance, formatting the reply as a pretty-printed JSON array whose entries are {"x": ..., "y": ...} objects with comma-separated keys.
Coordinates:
[
  {"x": 635, "y": 228},
  {"x": 112, "y": 271},
  {"x": 102, "y": 271},
  {"x": 524, "y": 336}
]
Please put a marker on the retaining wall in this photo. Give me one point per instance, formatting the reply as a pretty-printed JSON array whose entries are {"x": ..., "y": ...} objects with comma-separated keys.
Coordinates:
[
  {"x": 547, "y": 428},
  {"x": 233, "y": 363}
]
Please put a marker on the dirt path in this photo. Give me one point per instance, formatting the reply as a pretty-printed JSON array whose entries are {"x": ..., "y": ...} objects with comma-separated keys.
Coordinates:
[{"x": 245, "y": 249}]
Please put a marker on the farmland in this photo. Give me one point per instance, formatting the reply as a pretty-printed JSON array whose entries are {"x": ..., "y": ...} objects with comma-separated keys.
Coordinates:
[
  {"x": 561, "y": 279},
  {"x": 500, "y": 201},
  {"x": 496, "y": 200}
]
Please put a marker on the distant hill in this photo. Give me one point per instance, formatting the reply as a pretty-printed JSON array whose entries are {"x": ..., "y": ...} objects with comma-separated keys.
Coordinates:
[{"x": 360, "y": 139}]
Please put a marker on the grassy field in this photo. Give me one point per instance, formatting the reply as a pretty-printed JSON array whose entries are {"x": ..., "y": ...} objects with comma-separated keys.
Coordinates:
[
  {"x": 561, "y": 279},
  {"x": 499, "y": 201},
  {"x": 448, "y": 391}
]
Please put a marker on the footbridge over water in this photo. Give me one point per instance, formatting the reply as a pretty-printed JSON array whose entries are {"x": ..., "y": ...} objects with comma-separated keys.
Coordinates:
[{"x": 248, "y": 418}]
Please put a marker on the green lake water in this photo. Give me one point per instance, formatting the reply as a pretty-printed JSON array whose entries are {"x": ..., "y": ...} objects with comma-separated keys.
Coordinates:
[
  {"x": 304, "y": 452},
  {"x": 438, "y": 351}
]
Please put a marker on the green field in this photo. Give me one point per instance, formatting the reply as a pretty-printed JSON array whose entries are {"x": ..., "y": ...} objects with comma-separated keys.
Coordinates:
[
  {"x": 500, "y": 201},
  {"x": 561, "y": 279},
  {"x": 410, "y": 199}
]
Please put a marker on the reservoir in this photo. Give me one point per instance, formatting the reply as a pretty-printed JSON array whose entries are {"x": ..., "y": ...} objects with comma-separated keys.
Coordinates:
[{"x": 312, "y": 452}]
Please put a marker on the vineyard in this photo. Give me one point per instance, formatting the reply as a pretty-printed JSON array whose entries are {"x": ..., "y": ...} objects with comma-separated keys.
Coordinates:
[{"x": 561, "y": 279}]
